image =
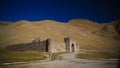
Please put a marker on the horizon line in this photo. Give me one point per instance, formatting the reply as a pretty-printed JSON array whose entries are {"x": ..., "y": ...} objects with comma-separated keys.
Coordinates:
[{"x": 56, "y": 20}]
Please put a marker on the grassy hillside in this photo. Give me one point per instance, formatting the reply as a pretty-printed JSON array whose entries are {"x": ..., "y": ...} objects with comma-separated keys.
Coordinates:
[{"x": 87, "y": 33}]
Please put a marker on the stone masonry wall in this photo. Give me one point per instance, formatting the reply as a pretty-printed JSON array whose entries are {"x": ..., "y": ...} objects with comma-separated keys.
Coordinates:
[
  {"x": 57, "y": 46},
  {"x": 48, "y": 45},
  {"x": 34, "y": 46}
]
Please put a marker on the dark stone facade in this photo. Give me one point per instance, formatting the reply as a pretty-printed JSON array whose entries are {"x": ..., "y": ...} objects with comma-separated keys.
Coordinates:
[{"x": 35, "y": 45}]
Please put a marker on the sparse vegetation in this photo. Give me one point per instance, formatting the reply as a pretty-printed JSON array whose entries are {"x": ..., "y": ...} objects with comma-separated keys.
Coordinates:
[
  {"x": 17, "y": 56},
  {"x": 56, "y": 55},
  {"x": 81, "y": 62},
  {"x": 97, "y": 55},
  {"x": 109, "y": 63}
]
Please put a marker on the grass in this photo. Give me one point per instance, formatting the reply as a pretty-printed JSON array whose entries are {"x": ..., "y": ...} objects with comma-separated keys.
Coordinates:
[
  {"x": 97, "y": 55},
  {"x": 23, "y": 56},
  {"x": 81, "y": 62},
  {"x": 56, "y": 55},
  {"x": 17, "y": 56},
  {"x": 109, "y": 63}
]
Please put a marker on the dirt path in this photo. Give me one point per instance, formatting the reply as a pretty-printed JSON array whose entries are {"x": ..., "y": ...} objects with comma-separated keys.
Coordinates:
[{"x": 68, "y": 61}]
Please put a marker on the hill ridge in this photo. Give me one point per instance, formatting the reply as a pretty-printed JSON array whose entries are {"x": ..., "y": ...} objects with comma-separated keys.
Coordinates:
[{"x": 88, "y": 35}]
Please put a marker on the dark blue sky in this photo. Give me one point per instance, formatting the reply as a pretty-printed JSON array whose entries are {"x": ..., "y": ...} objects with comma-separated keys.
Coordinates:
[{"x": 59, "y": 10}]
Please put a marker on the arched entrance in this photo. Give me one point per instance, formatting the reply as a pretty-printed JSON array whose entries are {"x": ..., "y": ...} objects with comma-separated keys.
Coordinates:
[{"x": 73, "y": 48}]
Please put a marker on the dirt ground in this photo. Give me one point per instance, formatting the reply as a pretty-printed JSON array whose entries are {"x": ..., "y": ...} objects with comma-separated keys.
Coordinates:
[{"x": 68, "y": 61}]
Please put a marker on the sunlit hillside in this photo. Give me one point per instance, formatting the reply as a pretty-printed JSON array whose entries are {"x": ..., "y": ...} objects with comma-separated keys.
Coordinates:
[{"x": 89, "y": 34}]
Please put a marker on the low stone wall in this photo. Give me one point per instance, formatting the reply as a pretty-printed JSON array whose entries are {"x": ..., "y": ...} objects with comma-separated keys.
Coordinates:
[{"x": 34, "y": 46}]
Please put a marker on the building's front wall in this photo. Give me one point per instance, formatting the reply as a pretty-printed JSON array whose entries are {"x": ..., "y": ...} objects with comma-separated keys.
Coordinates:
[
  {"x": 69, "y": 45},
  {"x": 55, "y": 46}
]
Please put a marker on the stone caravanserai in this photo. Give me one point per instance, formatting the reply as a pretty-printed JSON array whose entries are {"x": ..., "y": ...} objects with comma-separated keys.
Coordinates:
[{"x": 48, "y": 45}]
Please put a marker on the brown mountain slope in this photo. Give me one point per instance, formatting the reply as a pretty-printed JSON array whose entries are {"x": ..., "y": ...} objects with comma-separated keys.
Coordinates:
[
  {"x": 111, "y": 29},
  {"x": 87, "y": 33}
]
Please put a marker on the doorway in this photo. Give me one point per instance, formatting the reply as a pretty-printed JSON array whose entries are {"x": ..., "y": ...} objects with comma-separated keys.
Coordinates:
[{"x": 73, "y": 48}]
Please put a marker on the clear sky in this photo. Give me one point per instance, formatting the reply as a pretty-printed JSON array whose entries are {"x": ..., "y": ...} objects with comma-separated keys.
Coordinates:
[{"x": 59, "y": 10}]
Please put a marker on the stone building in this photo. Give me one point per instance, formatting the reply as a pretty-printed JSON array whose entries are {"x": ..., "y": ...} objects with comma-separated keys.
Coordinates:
[{"x": 48, "y": 45}]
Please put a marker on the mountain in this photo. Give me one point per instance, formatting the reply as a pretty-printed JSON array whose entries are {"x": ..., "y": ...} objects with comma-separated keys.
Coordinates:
[{"x": 88, "y": 34}]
